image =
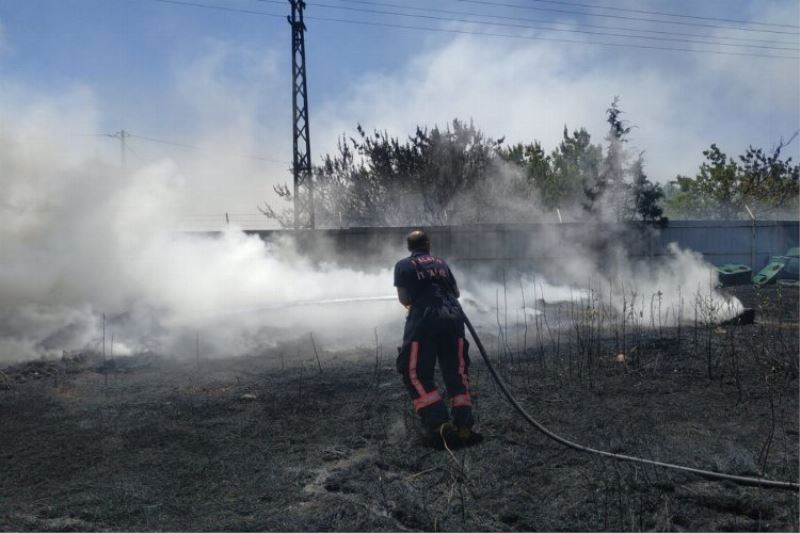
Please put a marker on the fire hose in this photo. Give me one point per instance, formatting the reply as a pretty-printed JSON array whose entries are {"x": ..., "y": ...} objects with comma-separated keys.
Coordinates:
[{"x": 740, "y": 480}]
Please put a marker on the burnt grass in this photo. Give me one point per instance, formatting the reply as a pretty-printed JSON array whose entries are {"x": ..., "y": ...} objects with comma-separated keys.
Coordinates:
[{"x": 257, "y": 443}]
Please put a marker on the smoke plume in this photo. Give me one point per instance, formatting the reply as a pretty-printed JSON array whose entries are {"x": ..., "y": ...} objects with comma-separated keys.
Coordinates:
[{"x": 89, "y": 250}]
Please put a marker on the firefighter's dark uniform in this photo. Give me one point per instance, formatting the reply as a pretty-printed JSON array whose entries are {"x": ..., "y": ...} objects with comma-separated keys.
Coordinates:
[{"x": 434, "y": 329}]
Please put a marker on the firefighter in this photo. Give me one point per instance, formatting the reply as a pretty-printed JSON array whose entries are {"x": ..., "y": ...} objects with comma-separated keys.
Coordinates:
[{"x": 434, "y": 330}]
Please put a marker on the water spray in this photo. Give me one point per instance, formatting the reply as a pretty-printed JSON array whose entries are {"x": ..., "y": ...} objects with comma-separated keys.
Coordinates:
[{"x": 306, "y": 303}]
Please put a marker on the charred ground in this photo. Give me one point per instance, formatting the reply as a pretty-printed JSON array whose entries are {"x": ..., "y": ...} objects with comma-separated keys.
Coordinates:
[{"x": 149, "y": 443}]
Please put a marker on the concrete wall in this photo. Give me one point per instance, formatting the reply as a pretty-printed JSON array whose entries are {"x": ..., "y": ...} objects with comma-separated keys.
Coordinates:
[{"x": 543, "y": 246}]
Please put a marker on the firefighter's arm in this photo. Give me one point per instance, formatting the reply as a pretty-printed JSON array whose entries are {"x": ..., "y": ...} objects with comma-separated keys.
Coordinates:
[
  {"x": 453, "y": 284},
  {"x": 402, "y": 295}
]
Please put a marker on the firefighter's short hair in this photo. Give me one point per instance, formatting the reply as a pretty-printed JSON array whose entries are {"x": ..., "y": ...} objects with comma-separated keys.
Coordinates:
[{"x": 418, "y": 241}]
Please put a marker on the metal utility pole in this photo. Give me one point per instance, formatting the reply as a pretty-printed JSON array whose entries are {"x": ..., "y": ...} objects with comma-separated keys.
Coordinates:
[
  {"x": 301, "y": 163},
  {"x": 121, "y": 135},
  {"x": 752, "y": 242}
]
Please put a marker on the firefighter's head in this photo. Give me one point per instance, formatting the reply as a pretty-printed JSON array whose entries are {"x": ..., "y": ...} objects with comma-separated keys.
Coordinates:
[{"x": 418, "y": 241}]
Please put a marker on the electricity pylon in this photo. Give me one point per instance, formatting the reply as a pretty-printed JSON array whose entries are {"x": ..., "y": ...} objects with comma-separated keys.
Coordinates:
[{"x": 301, "y": 162}]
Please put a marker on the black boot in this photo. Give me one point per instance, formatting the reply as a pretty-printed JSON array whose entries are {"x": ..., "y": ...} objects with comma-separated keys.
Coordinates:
[
  {"x": 445, "y": 436},
  {"x": 468, "y": 437}
]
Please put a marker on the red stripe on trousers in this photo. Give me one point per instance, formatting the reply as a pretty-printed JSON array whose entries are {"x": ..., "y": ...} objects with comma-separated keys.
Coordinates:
[
  {"x": 412, "y": 369},
  {"x": 429, "y": 399},
  {"x": 462, "y": 400}
]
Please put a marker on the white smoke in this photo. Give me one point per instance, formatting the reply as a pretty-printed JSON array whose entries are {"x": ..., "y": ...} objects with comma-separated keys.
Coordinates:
[
  {"x": 677, "y": 288},
  {"x": 87, "y": 246},
  {"x": 89, "y": 249},
  {"x": 92, "y": 241},
  {"x": 82, "y": 239}
]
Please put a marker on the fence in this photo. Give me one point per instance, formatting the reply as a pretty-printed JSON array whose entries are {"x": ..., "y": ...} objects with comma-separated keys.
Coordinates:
[{"x": 529, "y": 246}]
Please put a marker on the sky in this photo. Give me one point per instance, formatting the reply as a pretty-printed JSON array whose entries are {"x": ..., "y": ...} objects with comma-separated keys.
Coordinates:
[{"x": 209, "y": 90}]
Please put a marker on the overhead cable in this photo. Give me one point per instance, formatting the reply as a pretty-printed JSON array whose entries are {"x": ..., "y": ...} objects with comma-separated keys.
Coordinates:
[
  {"x": 222, "y": 8},
  {"x": 665, "y": 14},
  {"x": 623, "y": 17},
  {"x": 487, "y": 34},
  {"x": 563, "y": 23},
  {"x": 192, "y": 147},
  {"x": 529, "y": 27}
]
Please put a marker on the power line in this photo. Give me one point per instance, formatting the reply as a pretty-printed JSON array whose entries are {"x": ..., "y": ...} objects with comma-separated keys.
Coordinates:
[
  {"x": 123, "y": 134},
  {"x": 162, "y": 141},
  {"x": 623, "y": 17},
  {"x": 200, "y": 148},
  {"x": 542, "y": 21},
  {"x": 665, "y": 14},
  {"x": 487, "y": 34},
  {"x": 221, "y": 8},
  {"x": 135, "y": 154},
  {"x": 529, "y": 27}
]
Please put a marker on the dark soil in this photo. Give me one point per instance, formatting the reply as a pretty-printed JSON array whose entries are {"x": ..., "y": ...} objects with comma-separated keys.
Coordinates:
[{"x": 149, "y": 443}]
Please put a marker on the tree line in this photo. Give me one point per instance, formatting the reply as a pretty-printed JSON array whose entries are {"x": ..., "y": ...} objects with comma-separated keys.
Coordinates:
[{"x": 458, "y": 175}]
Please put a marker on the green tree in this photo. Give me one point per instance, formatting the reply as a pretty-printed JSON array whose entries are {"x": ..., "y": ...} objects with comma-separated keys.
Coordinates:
[
  {"x": 435, "y": 177},
  {"x": 722, "y": 187},
  {"x": 608, "y": 193},
  {"x": 646, "y": 195},
  {"x": 575, "y": 165},
  {"x": 767, "y": 181},
  {"x": 710, "y": 194},
  {"x": 456, "y": 181},
  {"x": 458, "y": 175},
  {"x": 537, "y": 173}
]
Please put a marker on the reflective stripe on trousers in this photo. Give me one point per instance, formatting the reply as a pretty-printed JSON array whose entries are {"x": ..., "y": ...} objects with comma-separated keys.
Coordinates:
[{"x": 425, "y": 398}]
